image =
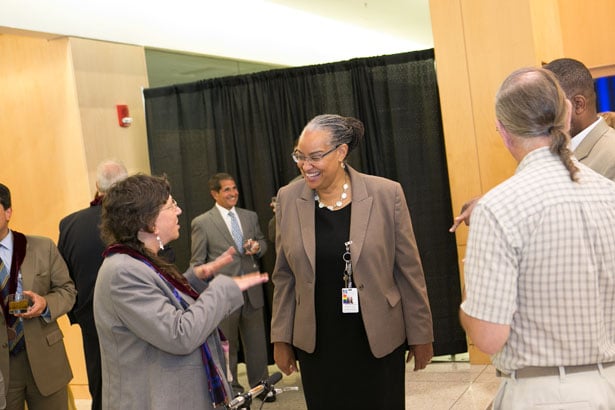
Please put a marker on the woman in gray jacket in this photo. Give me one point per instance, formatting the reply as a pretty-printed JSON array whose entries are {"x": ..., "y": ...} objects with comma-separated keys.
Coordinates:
[{"x": 158, "y": 329}]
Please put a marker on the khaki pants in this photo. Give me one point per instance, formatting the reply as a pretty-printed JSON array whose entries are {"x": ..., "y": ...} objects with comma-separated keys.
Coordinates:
[{"x": 592, "y": 389}]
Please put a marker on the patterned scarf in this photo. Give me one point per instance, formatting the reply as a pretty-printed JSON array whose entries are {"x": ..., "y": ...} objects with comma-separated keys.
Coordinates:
[
  {"x": 97, "y": 200},
  {"x": 215, "y": 383},
  {"x": 12, "y": 322},
  {"x": 19, "y": 254}
]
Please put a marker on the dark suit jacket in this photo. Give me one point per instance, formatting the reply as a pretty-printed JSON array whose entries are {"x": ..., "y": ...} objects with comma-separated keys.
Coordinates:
[
  {"x": 44, "y": 272},
  {"x": 81, "y": 246},
  {"x": 211, "y": 237},
  {"x": 386, "y": 267},
  {"x": 597, "y": 150}
]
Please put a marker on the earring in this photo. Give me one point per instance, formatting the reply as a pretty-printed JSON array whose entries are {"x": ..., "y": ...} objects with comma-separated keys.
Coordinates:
[
  {"x": 342, "y": 165},
  {"x": 160, "y": 242}
]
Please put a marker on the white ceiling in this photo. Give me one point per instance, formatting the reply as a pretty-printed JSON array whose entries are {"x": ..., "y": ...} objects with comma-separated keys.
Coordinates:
[
  {"x": 203, "y": 38},
  {"x": 406, "y": 19}
]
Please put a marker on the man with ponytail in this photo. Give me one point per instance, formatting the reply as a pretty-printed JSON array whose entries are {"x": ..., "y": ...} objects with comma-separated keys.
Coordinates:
[
  {"x": 539, "y": 293},
  {"x": 592, "y": 138}
]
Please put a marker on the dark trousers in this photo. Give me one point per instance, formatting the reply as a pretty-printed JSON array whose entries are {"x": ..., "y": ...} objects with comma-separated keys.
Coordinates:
[{"x": 91, "y": 349}]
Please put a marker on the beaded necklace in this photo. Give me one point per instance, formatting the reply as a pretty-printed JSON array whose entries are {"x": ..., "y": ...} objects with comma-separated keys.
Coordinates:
[{"x": 338, "y": 204}]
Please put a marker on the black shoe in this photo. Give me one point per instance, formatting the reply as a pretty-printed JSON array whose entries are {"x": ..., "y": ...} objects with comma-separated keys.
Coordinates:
[{"x": 268, "y": 397}]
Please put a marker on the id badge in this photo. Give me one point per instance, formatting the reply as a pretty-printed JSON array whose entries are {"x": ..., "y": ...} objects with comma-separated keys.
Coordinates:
[{"x": 350, "y": 300}]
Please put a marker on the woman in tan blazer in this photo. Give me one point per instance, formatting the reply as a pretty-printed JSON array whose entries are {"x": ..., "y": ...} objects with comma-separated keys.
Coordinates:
[{"x": 349, "y": 291}]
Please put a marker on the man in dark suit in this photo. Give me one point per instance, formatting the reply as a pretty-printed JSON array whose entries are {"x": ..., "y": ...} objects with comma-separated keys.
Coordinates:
[
  {"x": 33, "y": 358},
  {"x": 212, "y": 234},
  {"x": 82, "y": 249}
]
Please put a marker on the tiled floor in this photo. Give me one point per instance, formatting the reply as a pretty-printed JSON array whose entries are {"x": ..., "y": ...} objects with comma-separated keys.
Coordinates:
[{"x": 447, "y": 383}]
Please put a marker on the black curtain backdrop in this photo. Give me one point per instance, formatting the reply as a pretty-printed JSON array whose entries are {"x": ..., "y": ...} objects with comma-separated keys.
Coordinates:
[{"x": 246, "y": 125}]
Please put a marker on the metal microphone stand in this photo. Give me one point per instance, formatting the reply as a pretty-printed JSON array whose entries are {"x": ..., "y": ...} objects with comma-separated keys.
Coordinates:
[{"x": 267, "y": 388}]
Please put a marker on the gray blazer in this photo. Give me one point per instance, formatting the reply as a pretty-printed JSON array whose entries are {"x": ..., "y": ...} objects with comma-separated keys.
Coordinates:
[
  {"x": 150, "y": 345},
  {"x": 385, "y": 260},
  {"x": 211, "y": 237},
  {"x": 597, "y": 150}
]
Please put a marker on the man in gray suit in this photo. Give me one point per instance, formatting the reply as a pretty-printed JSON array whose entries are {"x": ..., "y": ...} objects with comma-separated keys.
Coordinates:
[{"x": 213, "y": 232}]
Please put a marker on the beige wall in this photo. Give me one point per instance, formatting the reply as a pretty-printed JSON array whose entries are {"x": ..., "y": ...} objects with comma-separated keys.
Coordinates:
[
  {"x": 58, "y": 120},
  {"x": 588, "y": 31},
  {"x": 108, "y": 74},
  {"x": 42, "y": 147},
  {"x": 477, "y": 44}
]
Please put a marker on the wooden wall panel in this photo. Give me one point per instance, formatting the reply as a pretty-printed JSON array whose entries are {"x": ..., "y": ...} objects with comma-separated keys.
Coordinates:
[
  {"x": 588, "y": 31},
  {"x": 108, "y": 74},
  {"x": 492, "y": 53},
  {"x": 42, "y": 150},
  {"x": 546, "y": 30},
  {"x": 457, "y": 113}
]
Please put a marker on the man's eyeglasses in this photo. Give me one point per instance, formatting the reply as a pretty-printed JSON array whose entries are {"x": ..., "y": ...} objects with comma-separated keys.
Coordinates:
[
  {"x": 311, "y": 158},
  {"x": 173, "y": 205}
]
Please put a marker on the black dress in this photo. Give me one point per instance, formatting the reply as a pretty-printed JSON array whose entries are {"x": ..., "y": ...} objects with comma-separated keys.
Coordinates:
[{"x": 342, "y": 373}]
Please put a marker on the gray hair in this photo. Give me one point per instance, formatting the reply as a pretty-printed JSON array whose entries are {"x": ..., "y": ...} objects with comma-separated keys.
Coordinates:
[
  {"x": 342, "y": 130},
  {"x": 530, "y": 103},
  {"x": 108, "y": 173}
]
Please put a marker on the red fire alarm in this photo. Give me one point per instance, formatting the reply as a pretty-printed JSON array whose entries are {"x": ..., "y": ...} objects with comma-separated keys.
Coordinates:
[{"x": 123, "y": 116}]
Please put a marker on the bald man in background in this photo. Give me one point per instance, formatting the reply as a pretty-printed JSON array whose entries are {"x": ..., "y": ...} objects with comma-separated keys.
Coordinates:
[{"x": 82, "y": 249}]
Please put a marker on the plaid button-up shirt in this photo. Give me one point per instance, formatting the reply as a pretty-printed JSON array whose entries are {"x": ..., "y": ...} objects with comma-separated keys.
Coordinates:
[{"x": 541, "y": 258}]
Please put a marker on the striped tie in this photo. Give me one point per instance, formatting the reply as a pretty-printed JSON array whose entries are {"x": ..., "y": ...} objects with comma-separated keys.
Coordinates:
[
  {"x": 4, "y": 280},
  {"x": 236, "y": 232}
]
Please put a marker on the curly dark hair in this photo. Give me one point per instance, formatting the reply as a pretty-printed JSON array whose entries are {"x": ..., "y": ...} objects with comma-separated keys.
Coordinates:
[{"x": 132, "y": 205}]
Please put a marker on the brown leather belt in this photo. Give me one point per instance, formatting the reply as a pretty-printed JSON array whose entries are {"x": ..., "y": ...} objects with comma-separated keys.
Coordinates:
[{"x": 528, "y": 372}]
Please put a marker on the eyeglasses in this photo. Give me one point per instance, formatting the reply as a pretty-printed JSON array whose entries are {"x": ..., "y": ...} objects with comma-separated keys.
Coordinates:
[
  {"x": 173, "y": 205},
  {"x": 311, "y": 158}
]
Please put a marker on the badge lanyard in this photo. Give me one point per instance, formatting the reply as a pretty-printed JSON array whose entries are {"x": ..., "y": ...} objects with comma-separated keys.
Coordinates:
[{"x": 350, "y": 296}]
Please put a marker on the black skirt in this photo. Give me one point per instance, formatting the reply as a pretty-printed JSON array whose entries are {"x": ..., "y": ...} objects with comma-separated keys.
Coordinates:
[{"x": 342, "y": 372}]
